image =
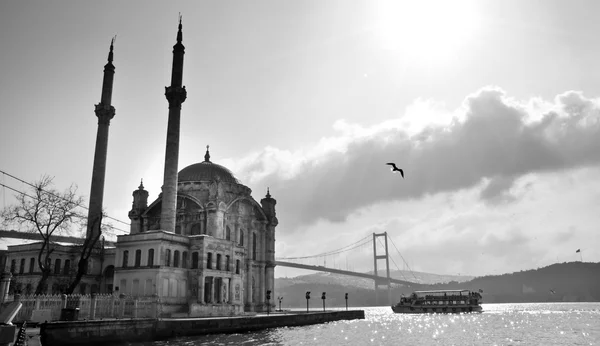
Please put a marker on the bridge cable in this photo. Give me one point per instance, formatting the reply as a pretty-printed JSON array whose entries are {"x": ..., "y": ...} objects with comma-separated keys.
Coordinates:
[
  {"x": 333, "y": 252},
  {"x": 390, "y": 257},
  {"x": 411, "y": 271}
]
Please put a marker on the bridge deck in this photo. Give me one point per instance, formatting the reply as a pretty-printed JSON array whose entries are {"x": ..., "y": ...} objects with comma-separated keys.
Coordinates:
[{"x": 380, "y": 279}]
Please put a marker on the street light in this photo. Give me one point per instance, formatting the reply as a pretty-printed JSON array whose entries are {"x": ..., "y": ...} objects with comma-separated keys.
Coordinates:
[
  {"x": 307, "y": 298},
  {"x": 346, "y": 301},
  {"x": 323, "y": 297},
  {"x": 280, "y": 299}
]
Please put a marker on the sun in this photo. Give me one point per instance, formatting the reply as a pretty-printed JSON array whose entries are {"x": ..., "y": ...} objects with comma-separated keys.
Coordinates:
[{"x": 425, "y": 30}]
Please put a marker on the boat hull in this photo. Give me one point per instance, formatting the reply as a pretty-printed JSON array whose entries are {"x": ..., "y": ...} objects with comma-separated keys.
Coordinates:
[{"x": 442, "y": 309}]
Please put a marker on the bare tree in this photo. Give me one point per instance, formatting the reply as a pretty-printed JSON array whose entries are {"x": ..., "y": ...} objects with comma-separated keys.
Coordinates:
[
  {"x": 91, "y": 246},
  {"x": 47, "y": 212}
]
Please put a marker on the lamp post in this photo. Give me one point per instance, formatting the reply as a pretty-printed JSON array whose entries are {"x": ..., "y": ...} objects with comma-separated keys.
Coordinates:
[
  {"x": 280, "y": 299},
  {"x": 307, "y": 298},
  {"x": 346, "y": 301},
  {"x": 323, "y": 298}
]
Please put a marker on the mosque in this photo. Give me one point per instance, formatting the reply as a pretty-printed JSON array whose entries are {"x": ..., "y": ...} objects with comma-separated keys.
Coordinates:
[
  {"x": 205, "y": 246},
  {"x": 204, "y": 243}
]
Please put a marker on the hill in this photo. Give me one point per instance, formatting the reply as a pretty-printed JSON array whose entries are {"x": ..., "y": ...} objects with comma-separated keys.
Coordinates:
[{"x": 574, "y": 281}]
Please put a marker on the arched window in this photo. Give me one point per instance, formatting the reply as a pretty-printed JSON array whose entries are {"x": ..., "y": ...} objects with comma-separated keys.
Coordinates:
[
  {"x": 209, "y": 260},
  {"x": 241, "y": 237},
  {"x": 184, "y": 260},
  {"x": 125, "y": 258},
  {"x": 31, "y": 265},
  {"x": 168, "y": 258},
  {"x": 67, "y": 268},
  {"x": 227, "y": 262},
  {"x": 177, "y": 229},
  {"x": 150, "y": 257},
  {"x": 218, "y": 261},
  {"x": 195, "y": 260},
  {"x": 195, "y": 229},
  {"x": 254, "y": 246},
  {"x": 57, "y": 266},
  {"x": 13, "y": 266},
  {"x": 22, "y": 266},
  {"x": 176, "y": 259},
  {"x": 227, "y": 233},
  {"x": 138, "y": 258},
  {"x": 237, "y": 266}
]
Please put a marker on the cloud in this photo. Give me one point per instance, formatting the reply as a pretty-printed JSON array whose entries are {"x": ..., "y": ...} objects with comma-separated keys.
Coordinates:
[{"x": 490, "y": 138}]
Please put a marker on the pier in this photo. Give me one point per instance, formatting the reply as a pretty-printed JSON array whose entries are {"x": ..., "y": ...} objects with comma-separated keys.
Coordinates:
[{"x": 114, "y": 331}]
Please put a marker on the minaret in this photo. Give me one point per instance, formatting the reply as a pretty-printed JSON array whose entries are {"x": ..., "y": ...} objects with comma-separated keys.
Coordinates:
[
  {"x": 105, "y": 112},
  {"x": 175, "y": 94}
]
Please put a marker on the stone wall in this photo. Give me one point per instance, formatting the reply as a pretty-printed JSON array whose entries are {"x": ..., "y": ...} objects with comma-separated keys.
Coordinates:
[{"x": 113, "y": 331}]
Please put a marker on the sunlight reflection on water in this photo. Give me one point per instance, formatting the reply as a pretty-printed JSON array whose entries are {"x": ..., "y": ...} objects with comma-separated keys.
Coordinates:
[{"x": 499, "y": 324}]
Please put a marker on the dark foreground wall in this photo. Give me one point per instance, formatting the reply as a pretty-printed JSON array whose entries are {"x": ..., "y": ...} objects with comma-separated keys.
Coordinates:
[{"x": 115, "y": 331}]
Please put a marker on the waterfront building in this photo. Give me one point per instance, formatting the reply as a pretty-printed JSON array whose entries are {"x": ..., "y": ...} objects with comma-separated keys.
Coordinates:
[{"x": 19, "y": 254}]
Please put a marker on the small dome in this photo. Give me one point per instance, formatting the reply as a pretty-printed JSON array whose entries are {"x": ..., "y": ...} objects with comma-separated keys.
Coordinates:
[{"x": 206, "y": 171}]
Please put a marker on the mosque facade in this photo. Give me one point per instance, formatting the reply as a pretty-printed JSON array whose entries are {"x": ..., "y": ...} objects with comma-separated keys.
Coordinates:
[
  {"x": 221, "y": 257},
  {"x": 204, "y": 246}
]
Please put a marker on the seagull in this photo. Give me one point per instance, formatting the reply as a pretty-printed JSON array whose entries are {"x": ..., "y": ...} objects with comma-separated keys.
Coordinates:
[
  {"x": 552, "y": 291},
  {"x": 396, "y": 169}
]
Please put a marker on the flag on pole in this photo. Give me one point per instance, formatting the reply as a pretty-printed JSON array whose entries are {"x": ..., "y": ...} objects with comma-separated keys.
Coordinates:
[{"x": 578, "y": 250}]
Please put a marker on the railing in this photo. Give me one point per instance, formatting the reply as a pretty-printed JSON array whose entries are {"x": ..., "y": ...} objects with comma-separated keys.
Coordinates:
[{"x": 99, "y": 306}]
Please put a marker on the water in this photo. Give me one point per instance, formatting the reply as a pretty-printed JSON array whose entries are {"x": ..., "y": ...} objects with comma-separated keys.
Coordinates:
[{"x": 499, "y": 324}]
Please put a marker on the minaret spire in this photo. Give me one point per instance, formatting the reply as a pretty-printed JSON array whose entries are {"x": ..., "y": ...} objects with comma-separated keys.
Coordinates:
[
  {"x": 105, "y": 112},
  {"x": 175, "y": 94}
]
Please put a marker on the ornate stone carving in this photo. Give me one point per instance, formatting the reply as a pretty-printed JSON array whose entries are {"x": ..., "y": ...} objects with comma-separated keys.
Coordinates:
[
  {"x": 104, "y": 113},
  {"x": 175, "y": 96}
]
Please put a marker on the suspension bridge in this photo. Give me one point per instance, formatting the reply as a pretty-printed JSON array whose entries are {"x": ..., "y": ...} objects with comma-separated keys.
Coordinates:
[{"x": 380, "y": 253}]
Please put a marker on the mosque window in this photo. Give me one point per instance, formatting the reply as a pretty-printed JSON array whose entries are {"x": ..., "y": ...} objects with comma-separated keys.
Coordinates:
[
  {"x": 209, "y": 260},
  {"x": 241, "y": 237},
  {"x": 237, "y": 266},
  {"x": 176, "y": 259},
  {"x": 168, "y": 258},
  {"x": 195, "y": 260},
  {"x": 125, "y": 258},
  {"x": 227, "y": 233},
  {"x": 254, "y": 246},
  {"x": 31, "y": 265},
  {"x": 57, "y": 266},
  {"x": 138, "y": 258},
  {"x": 150, "y": 257},
  {"x": 227, "y": 262},
  {"x": 67, "y": 267},
  {"x": 218, "y": 261},
  {"x": 184, "y": 260},
  {"x": 22, "y": 266}
]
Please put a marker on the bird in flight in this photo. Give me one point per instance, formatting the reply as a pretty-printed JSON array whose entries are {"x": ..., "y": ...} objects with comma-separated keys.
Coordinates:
[
  {"x": 396, "y": 169},
  {"x": 552, "y": 291}
]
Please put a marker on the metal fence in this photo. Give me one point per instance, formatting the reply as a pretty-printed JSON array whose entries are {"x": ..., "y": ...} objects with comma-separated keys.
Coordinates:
[{"x": 100, "y": 306}]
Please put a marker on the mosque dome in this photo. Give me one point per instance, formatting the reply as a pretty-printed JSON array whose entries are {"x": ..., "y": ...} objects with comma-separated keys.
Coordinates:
[{"x": 206, "y": 171}]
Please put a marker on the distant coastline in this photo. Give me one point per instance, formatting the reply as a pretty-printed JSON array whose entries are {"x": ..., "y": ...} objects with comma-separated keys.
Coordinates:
[{"x": 561, "y": 282}]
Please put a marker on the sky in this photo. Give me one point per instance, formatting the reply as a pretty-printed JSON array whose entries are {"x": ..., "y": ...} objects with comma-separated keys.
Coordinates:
[{"x": 492, "y": 108}]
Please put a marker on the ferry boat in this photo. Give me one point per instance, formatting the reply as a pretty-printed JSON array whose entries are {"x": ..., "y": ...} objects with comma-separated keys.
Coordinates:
[{"x": 440, "y": 301}]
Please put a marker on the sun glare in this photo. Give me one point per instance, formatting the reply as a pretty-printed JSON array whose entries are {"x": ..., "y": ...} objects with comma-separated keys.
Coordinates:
[{"x": 426, "y": 30}]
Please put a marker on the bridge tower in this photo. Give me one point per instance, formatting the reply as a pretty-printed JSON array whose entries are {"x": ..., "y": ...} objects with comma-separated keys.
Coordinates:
[{"x": 382, "y": 282}]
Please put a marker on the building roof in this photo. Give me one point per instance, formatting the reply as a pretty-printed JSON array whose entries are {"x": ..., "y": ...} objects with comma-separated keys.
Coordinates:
[
  {"x": 6, "y": 242},
  {"x": 206, "y": 171}
]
